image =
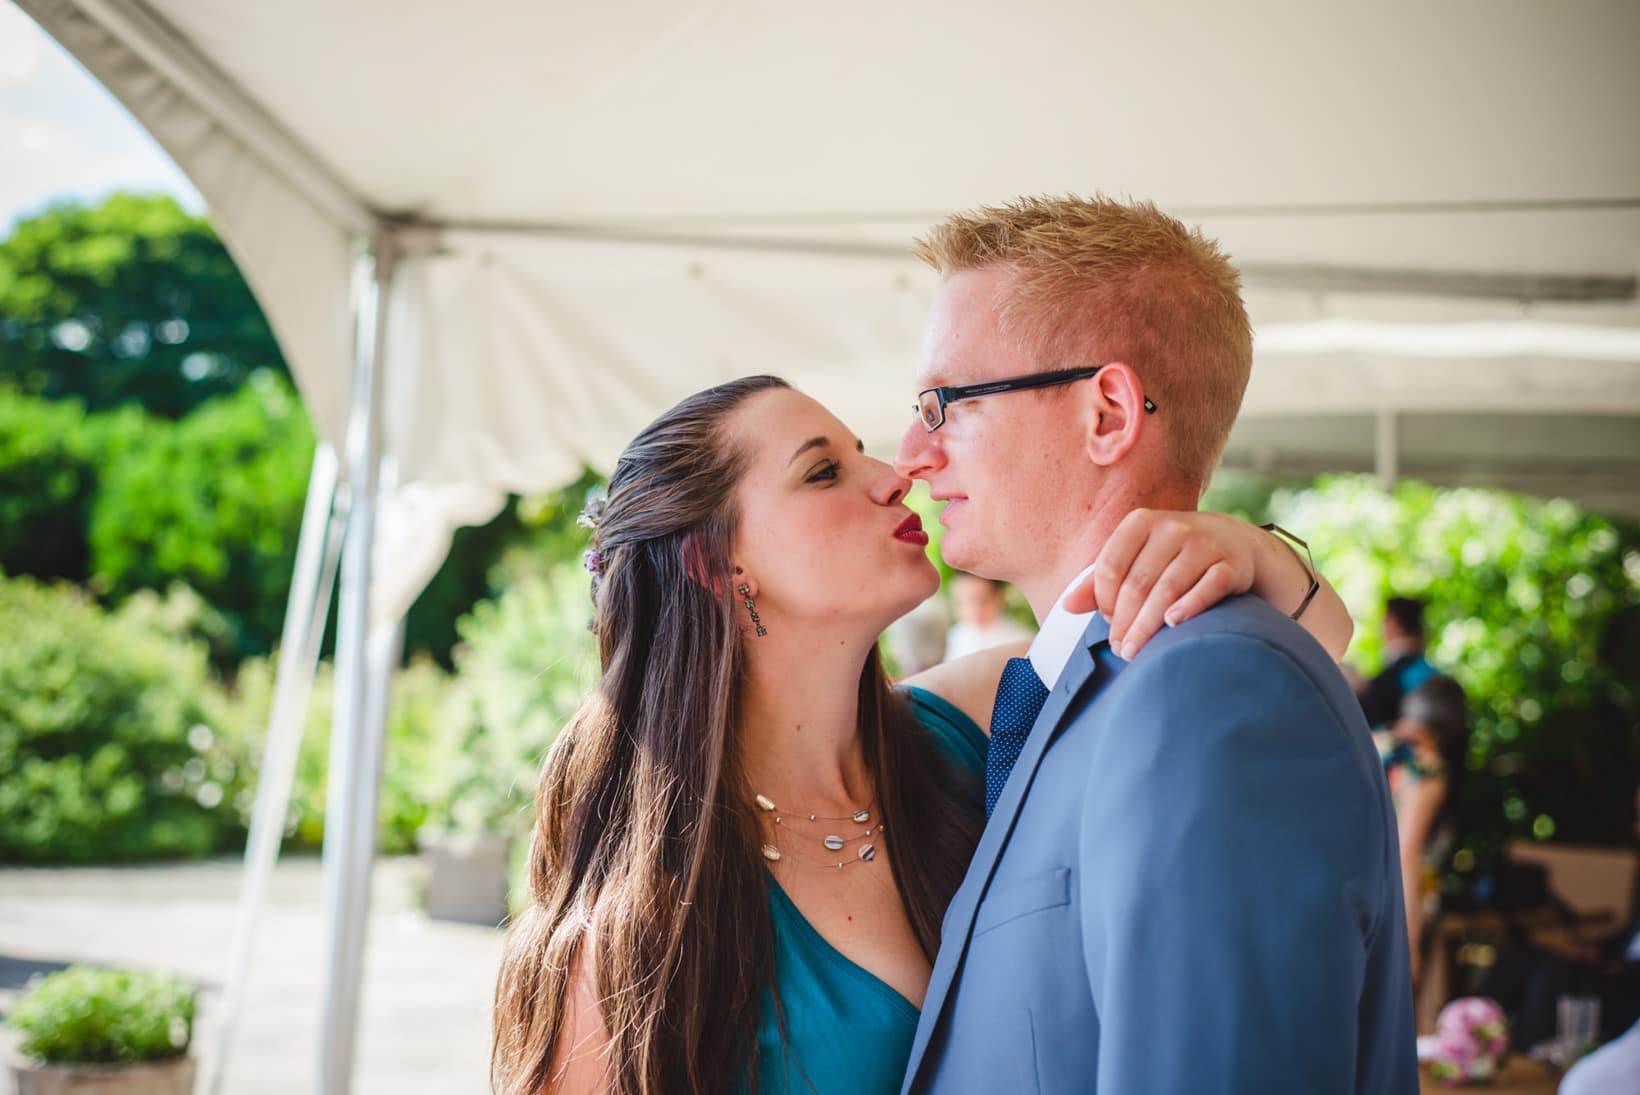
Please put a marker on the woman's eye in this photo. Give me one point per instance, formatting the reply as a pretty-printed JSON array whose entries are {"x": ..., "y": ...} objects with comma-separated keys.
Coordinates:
[{"x": 824, "y": 472}]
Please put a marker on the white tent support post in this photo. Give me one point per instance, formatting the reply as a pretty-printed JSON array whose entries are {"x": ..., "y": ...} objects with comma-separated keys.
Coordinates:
[
  {"x": 1387, "y": 448},
  {"x": 355, "y": 751},
  {"x": 317, "y": 554}
]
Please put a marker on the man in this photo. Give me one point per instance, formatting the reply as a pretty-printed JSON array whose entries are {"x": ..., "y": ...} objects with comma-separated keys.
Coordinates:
[
  {"x": 1188, "y": 883},
  {"x": 982, "y": 617},
  {"x": 1405, "y": 666}
]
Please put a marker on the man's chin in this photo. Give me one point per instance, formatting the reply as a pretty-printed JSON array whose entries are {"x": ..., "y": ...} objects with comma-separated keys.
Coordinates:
[{"x": 957, "y": 551}]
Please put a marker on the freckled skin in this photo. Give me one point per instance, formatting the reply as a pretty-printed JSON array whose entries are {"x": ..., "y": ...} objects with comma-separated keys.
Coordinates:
[{"x": 998, "y": 524}]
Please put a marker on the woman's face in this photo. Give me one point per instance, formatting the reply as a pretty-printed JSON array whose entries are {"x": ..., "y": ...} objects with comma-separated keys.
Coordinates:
[{"x": 825, "y": 540}]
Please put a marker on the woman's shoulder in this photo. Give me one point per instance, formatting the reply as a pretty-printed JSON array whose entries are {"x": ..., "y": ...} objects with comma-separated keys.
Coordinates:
[
  {"x": 956, "y": 735},
  {"x": 969, "y": 683}
]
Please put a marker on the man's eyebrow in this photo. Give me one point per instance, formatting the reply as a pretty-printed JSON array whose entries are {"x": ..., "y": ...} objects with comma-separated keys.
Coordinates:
[{"x": 811, "y": 443}]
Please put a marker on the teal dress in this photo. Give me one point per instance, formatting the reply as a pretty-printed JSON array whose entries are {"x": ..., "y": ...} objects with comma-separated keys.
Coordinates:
[{"x": 847, "y": 1032}]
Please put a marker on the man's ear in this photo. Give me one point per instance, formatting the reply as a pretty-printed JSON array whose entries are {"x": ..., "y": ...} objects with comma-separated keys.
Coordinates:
[{"x": 1115, "y": 414}]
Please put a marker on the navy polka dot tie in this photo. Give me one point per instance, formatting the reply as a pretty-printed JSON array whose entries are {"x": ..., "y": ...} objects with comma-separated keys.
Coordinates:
[{"x": 1020, "y": 697}]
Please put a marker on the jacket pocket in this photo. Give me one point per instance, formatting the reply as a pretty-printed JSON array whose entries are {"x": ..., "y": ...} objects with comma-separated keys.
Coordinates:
[{"x": 1048, "y": 890}]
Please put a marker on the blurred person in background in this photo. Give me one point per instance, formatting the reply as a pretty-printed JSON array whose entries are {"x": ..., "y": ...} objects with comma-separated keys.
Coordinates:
[
  {"x": 1405, "y": 666},
  {"x": 916, "y": 641},
  {"x": 1425, "y": 769},
  {"x": 982, "y": 616}
]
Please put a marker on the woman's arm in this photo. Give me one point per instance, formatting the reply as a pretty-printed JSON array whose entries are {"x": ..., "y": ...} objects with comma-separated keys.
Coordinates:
[
  {"x": 1165, "y": 566},
  {"x": 1162, "y": 566},
  {"x": 580, "y": 1057},
  {"x": 1415, "y": 817}
]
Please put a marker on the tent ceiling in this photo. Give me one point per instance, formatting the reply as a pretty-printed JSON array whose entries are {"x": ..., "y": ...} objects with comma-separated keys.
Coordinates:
[
  {"x": 598, "y": 209},
  {"x": 661, "y": 114}
]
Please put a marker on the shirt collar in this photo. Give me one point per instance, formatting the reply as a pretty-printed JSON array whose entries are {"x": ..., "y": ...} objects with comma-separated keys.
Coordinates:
[{"x": 1056, "y": 639}]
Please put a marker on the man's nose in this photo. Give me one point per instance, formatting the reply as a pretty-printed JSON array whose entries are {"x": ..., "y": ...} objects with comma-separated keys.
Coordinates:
[{"x": 919, "y": 453}]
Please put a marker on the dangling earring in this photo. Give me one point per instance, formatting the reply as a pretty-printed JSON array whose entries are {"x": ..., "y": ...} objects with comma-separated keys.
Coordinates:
[{"x": 746, "y": 593}]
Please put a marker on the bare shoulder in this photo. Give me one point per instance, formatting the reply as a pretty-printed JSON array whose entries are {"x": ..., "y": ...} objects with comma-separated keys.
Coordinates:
[{"x": 970, "y": 683}]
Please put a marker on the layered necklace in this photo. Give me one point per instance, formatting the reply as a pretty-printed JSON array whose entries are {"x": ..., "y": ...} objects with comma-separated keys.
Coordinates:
[{"x": 833, "y": 842}]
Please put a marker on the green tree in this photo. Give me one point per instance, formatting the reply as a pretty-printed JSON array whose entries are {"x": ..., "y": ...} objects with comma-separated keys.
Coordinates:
[
  {"x": 47, "y": 478},
  {"x": 214, "y": 501},
  {"x": 1534, "y": 606},
  {"x": 130, "y": 301}
]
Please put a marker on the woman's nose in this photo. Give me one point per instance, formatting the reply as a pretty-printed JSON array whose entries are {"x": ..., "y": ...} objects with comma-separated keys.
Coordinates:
[{"x": 889, "y": 487}]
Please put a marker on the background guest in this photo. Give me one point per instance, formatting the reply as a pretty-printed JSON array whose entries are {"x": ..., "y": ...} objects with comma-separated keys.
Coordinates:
[
  {"x": 1405, "y": 666},
  {"x": 982, "y": 616}
]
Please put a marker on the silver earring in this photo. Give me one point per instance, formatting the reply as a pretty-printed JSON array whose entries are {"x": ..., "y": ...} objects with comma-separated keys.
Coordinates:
[{"x": 746, "y": 599}]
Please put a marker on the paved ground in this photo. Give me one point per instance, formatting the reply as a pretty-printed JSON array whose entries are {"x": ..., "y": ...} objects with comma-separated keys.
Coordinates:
[{"x": 424, "y": 1024}]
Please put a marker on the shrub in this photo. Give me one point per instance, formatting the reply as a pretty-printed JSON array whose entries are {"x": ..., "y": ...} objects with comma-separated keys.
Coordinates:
[
  {"x": 107, "y": 736},
  {"x": 525, "y": 663},
  {"x": 86, "y": 1015},
  {"x": 414, "y": 752}
]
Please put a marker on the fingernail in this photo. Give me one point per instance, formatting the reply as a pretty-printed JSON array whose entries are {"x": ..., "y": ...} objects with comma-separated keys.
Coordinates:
[{"x": 1170, "y": 621}]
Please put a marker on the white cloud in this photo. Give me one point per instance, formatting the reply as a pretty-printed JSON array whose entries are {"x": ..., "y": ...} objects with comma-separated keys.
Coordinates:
[
  {"x": 22, "y": 45},
  {"x": 62, "y": 135}
]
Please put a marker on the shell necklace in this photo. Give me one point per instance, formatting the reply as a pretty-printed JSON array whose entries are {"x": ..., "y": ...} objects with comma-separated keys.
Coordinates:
[{"x": 832, "y": 842}]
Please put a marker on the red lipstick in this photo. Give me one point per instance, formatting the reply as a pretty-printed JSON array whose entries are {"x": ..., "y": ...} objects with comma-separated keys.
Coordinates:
[{"x": 911, "y": 531}]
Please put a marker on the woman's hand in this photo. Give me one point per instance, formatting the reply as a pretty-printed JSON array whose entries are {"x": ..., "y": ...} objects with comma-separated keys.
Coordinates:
[{"x": 1165, "y": 566}]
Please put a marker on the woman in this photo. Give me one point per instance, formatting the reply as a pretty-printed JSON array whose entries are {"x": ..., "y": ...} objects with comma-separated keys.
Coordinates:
[
  {"x": 746, "y": 839},
  {"x": 1431, "y": 739}
]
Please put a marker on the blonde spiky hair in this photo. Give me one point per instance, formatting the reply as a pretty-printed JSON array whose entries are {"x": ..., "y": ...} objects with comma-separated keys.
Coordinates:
[{"x": 1100, "y": 280}]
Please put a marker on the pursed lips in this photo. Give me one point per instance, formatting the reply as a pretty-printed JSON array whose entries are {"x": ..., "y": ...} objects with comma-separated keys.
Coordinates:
[{"x": 911, "y": 531}]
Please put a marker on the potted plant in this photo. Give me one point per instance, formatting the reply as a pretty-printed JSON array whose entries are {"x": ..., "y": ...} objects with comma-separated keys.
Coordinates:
[
  {"x": 91, "y": 1031},
  {"x": 522, "y": 669}
]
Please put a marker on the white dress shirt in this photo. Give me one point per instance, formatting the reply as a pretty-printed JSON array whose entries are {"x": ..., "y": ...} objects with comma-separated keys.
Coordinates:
[{"x": 1056, "y": 639}]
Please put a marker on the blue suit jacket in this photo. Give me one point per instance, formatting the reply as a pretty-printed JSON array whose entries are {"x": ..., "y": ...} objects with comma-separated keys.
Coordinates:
[{"x": 1190, "y": 885}]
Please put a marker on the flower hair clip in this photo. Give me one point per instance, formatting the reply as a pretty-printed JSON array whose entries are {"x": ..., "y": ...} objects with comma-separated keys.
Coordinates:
[{"x": 593, "y": 562}]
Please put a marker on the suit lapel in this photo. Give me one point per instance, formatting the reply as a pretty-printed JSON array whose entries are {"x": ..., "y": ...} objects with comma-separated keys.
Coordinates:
[{"x": 1080, "y": 672}]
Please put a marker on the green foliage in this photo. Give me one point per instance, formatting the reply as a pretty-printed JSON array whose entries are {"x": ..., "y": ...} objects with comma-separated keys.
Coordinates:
[
  {"x": 415, "y": 756},
  {"x": 106, "y": 737},
  {"x": 463, "y": 579},
  {"x": 526, "y": 663},
  {"x": 48, "y": 459},
  {"x": 1533, "y": 605},
  {"x": 214, "y": 501},
  {"x": 130, "y": 301},
  {"x": 86, "y": 1015}
]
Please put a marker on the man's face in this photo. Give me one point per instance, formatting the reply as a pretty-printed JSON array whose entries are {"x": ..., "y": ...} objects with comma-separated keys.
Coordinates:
[{"x": 1003, "y": 461}]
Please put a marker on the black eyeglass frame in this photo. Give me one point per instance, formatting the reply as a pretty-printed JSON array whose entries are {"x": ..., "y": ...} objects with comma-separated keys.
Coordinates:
[{"x": 945, "y": 395}]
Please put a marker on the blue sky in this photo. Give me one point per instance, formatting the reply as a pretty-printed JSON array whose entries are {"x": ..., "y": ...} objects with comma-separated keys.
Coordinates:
[{"x": 62, "y": 135}]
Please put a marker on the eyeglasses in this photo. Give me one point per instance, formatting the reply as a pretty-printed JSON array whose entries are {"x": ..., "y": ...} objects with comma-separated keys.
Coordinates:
[{"x": 931, "y": 402}]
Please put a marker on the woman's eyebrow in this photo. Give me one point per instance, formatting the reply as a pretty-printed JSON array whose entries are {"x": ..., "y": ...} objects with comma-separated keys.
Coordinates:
[{"x": 811, "y": 443}]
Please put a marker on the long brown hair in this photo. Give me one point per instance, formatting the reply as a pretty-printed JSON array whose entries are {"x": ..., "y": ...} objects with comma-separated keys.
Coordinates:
[{"x": 642, "y": 812}]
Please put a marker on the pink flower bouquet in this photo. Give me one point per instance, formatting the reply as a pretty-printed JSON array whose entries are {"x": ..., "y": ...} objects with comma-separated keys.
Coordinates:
[{"x": 1471, "y": 1037}]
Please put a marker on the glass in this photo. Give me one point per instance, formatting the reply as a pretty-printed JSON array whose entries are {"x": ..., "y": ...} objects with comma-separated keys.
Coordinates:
[
  {"x": 931, "y": 402},
  {"x": 1579, "y": 1028}
]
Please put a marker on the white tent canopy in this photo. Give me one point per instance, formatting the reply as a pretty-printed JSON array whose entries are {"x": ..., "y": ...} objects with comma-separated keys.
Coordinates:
[
  {"x": 573, "y": 215},
  {"x": 596, "y": 211}
]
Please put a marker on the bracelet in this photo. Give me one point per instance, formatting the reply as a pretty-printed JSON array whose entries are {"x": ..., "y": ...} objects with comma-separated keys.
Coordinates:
[{"x": 1315, "y": 583}]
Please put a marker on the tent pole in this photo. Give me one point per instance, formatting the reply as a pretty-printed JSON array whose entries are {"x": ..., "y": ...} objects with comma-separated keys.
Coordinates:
[
  {"x": 350, "y": 808},
  {"x": 1387, "y": 449},
  {"x": 317, "y": 552}
]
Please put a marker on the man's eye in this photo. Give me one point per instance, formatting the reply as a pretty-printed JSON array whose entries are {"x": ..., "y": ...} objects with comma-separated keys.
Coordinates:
[{"x": 825, "y": 471}]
